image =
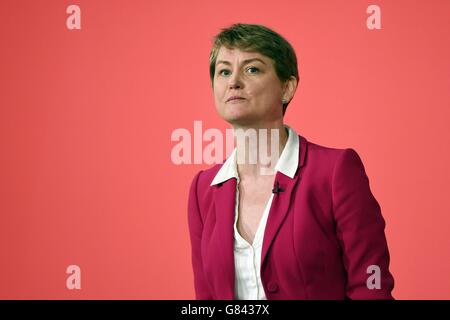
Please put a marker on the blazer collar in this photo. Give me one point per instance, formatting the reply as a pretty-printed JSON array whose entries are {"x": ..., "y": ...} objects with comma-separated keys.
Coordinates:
[{"x": 224, "y": 206}]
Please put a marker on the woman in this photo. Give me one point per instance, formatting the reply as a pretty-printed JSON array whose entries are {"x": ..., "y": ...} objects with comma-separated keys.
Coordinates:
[{"x": 311, "y": 229}]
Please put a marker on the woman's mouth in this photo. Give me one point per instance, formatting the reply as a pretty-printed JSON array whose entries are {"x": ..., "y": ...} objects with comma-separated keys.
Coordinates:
[{"x": 235, "y": 99}]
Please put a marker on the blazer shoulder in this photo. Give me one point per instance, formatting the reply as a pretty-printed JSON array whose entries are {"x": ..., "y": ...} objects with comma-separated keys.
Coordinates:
[
  {"x": 320, "y": 156},
  {"x": 321, "y": 152},
  {"x": 206, "y": 176},
  {"x": 321, "y": 149}
]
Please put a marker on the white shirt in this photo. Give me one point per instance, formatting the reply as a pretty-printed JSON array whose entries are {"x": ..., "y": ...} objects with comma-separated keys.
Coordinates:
[{"x": 247, "y": 257}]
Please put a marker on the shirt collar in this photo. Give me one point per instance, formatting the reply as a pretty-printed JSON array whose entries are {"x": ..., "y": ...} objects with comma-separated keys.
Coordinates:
[{"x": 286, "y": 164}]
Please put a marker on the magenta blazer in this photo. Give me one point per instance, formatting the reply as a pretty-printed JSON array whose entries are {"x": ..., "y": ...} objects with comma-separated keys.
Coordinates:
[{"x": 322, "y": 234}]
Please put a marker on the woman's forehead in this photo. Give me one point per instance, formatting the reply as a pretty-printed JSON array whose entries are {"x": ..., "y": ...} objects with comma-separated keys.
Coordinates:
[{"x": 230, "y": 54}]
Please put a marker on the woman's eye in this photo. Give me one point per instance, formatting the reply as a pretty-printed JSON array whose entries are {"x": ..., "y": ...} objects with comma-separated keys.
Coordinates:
[
  {"x": 253, "y": 69},
  {"x": 224, "y": 72}
]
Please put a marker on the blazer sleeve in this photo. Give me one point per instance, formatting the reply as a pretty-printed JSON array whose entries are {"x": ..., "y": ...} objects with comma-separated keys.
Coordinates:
[
  {"x": 195, "y": 223},
  {"x": 360, "y": 230}
]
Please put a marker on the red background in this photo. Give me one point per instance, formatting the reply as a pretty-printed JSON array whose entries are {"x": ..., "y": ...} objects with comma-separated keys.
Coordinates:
[{"x": 86, "y": 117}]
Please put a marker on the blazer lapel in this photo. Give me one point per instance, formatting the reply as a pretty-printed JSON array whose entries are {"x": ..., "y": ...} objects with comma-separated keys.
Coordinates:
[
  {"x": 281, "y": 201},
  {"x": 224, "y": 203}
]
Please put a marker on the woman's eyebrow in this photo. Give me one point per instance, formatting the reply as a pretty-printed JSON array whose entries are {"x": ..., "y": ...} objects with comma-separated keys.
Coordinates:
[{"x": 243, "y": 62}]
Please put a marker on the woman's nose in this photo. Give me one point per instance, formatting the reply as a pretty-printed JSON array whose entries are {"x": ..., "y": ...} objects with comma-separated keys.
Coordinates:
[{"x": 235, "y": 81}]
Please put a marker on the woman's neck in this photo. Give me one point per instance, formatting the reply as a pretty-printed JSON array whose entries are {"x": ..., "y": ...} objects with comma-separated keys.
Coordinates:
[{"x": 259, "y": 148}]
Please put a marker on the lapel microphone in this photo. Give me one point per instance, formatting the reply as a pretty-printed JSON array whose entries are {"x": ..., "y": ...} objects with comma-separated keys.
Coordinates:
[{"x": 277, "y": 188}]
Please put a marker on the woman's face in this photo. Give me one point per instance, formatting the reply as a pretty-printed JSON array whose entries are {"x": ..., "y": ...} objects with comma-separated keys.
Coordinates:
[{"x": 250, "y": 76}]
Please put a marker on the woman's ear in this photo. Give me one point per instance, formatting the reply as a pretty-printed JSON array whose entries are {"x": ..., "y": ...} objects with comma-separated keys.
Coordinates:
[{"x": 290, "y": 86}]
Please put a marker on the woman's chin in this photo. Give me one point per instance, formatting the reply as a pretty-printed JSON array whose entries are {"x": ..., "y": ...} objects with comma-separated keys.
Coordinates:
[
  {"x": 239, "y": 119},
  {"x": 237, "y": 114}
]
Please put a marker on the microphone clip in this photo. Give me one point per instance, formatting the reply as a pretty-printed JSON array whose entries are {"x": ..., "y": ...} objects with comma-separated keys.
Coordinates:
[{"x": 277, "y": 188}]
